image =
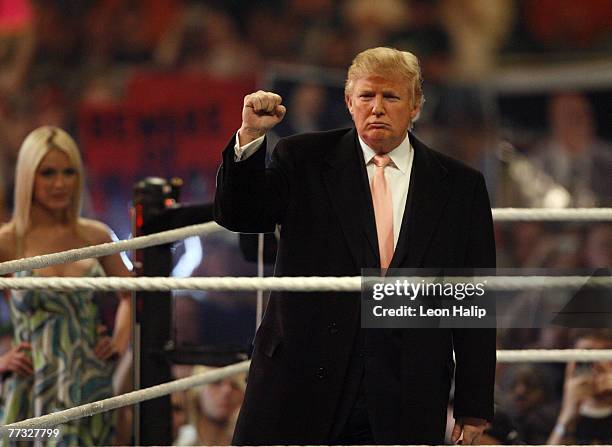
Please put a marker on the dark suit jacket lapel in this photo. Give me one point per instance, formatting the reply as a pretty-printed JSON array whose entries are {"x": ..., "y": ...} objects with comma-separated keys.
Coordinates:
[
  {"x": 427, "y": 196},
  {"x": 346, "y": 180}
]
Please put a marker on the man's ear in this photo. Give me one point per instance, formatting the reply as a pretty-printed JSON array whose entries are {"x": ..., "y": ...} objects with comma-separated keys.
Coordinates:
[
  {"x": 349, "y": 103},
  {"x": 414, "y": 114}
]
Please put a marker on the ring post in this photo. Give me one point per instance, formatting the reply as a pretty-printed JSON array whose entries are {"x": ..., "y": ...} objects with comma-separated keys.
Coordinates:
[{"x": 152, "y": 328}]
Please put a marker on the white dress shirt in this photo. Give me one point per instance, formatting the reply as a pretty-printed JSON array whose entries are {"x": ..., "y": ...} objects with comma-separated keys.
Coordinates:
[
  {"x": 244, "y": 152},
  {"x": 397, "y": 173}
]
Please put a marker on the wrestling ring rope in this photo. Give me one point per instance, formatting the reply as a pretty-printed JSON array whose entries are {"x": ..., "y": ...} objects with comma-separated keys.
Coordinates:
[
  {"x": 166, "y": 237},
  {"x": 552, "y": 215},
  {"x": 291, "y": 284},
  {"x": 270, "y": 283},
  {"x": 109, "y": 248}
]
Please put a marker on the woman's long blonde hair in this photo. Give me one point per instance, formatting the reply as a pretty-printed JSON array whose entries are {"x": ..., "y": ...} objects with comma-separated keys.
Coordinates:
[{"x": 36, "y": 145}]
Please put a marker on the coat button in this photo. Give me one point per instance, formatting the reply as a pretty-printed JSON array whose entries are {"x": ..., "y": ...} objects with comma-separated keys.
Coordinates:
[
  {"x": 332, "y": 328},
  {"x": 320, "y": 374}
]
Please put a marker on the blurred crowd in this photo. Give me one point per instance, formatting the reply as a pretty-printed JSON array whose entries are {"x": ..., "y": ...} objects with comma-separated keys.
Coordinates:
[{"x": 56, "y": 55}]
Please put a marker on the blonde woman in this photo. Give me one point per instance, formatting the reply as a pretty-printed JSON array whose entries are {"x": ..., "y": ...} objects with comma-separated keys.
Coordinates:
[
  {"x": 72, "y": 357},
  {"x": 212, "y": 410}
]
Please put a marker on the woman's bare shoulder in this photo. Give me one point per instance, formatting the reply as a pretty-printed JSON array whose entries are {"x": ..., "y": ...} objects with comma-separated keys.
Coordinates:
[
  {"x": 94, "y": 231},
  {"x": 7, "y": 242}
]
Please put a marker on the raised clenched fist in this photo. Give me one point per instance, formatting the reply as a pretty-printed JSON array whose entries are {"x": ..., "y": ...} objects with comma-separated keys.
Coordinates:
[{"x": 261, "y": 112}]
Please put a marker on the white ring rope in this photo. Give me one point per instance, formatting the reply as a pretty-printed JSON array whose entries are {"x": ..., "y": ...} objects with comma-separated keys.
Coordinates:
[
  {"x": 547, "y": 214},
  {"x": 165, "y": 237},
  {"x": 70, "y": 414},
  {"x": 295, "y": 284},
  {"x": 61, "y": 417},
  {"x": 109, "y": 248},
  {"x": 554, "y": 355}
]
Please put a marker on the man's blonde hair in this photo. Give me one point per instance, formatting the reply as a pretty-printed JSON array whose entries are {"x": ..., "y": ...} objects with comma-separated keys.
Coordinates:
[{"x": 387, "y": 62}]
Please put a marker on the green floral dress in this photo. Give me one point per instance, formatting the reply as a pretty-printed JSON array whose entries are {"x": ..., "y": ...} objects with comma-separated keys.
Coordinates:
[{"x": 62, "y": 329}]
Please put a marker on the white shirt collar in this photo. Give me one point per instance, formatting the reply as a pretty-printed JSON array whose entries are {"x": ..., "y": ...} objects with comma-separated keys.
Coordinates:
[{"x": 400, "y": 156}]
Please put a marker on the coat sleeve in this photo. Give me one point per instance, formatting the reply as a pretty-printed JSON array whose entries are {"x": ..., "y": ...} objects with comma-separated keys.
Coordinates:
[
  {"x": 475, "y": 349},
  {"x": 250, "y": 197}
]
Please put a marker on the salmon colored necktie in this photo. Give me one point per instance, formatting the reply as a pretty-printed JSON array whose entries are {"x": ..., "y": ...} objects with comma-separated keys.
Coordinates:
[{"x": 383, "y": 209}]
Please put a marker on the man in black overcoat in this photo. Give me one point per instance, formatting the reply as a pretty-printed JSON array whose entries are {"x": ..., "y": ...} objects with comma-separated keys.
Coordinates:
[{"x": 316, "y": 376}]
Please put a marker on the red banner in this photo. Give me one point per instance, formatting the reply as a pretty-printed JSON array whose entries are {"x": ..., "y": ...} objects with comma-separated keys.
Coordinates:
[
  {"x": 166, "y": 126},
  {"x": 15, "y": 15}
]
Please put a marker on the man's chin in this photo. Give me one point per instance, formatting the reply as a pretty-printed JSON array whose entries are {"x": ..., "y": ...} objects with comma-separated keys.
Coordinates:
[
  {"x": 380, "y": 143},
  {"x": 378, "y": 134}
]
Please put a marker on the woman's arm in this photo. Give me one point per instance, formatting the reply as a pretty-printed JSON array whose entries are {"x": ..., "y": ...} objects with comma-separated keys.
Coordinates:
[
  {"x": 123, "y": 319},
  {"x": 113, "y": 266}
]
